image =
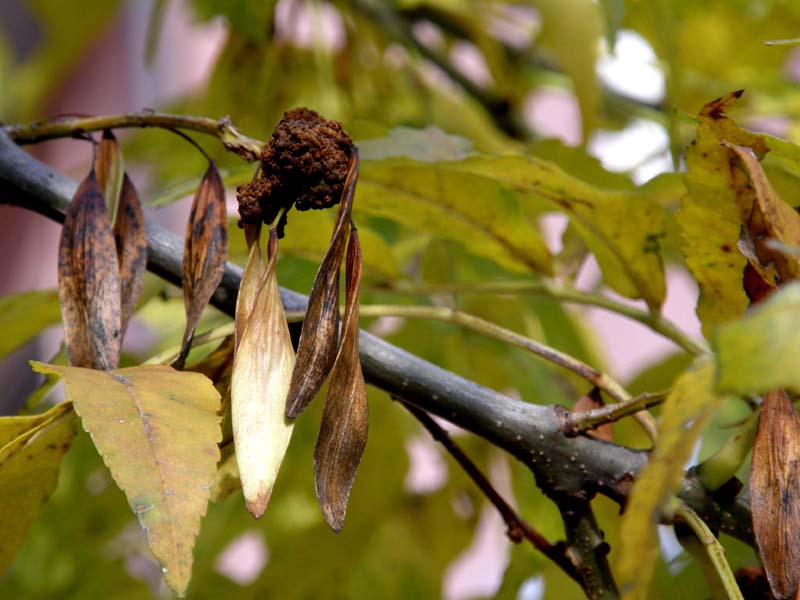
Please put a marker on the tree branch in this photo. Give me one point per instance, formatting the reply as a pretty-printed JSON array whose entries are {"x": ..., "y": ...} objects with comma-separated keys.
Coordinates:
[
  {"x": 578, "y": 466},
  {"x": 601, "y": 380},
  {"x": 587, "y": 549},
  {"x": 247, "y": 148},
  {"x": 517, "y": 527}
]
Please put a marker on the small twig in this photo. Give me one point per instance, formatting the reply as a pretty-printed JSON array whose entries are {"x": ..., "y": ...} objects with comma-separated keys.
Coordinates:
[
  {"x": 587, "y": 550},
  {"x": 247, "y": 148},
  {"x": 581, "y": 422},
  {"x": 565, "y": 293},
  {"x": 517, "y": 528},
  {"x": 449, "y": 315}
]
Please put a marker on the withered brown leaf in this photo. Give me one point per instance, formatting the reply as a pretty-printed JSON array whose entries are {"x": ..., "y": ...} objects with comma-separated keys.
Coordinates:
[
  {"x": 131, "y": 241},
  {"x": 775, "y": 492},
  {"x": 88, "y": 281},
  {"x": 205, "y": 251},
  {"x": 319, "y": 337},
  {"x": 345, "y": 416},
  {"x": 769, "y": 219}
]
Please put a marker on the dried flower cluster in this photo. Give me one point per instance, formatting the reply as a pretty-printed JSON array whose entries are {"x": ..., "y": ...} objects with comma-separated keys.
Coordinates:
[{"x": 304, "y": 165}]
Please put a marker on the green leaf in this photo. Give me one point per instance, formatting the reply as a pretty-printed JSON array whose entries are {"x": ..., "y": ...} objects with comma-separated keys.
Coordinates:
[
  {"x": 157, "y": 430},
  {"x": 23, "y": 316},
  {"x": 572, "y": 29},
  {"x": 684, "y": 414},
  {"x": 425, "y": 145},
  {"x": 761, "y": 352},
  {"x": 29, "y": 464}
]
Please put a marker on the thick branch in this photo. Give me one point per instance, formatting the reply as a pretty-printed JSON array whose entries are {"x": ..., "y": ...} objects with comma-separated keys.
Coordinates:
[{"x": 530, "y": 432}]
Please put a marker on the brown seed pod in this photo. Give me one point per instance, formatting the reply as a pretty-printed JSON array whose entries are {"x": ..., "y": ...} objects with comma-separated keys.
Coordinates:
[{"x": 305, "y": 165}]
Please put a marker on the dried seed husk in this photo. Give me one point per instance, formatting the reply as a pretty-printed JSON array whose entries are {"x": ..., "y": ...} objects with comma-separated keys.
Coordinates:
[
  {"x": 205, "y": 251},
  {"x": 110, "y": 170},
  {"x": 319, "y": 337},
  {"x": 251, "y": 279},
  {"x": 262, "y": 370},
  {"x": 88, "y": 281},
  {"x": 345, "y": 416},
  {"x": 130, "y": 236},
  {"x": 775, "y": 492}
]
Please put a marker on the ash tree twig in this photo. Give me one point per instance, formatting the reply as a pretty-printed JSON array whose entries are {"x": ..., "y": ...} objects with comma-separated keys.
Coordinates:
[
  {"x": 58, "y": 127},
  {"x": 576, "y": 423},
  {"x": 517, "y": 528}
]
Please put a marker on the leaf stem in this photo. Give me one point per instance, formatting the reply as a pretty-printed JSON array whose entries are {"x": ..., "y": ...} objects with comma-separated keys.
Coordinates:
[
  {"x": 565, "y": 293},
  {"x": 39, "y": 131},
  {"x": 517, "y": 528}
]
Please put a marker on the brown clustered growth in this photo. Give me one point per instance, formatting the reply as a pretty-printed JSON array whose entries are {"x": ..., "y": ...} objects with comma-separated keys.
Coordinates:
[{"x": 304, "y": 164}]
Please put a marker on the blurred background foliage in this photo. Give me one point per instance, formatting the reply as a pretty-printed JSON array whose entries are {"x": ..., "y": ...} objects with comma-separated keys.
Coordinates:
[{"x": 475, "y": 69}]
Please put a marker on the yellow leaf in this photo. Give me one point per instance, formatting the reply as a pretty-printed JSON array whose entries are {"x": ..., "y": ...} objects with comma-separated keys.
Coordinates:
[
  {"x": 157, "y": 430},
  {"x": 685, "y": 412},
  {"x": 712, "y": 213},
  {"x": 468, "y": 209},
  {"x": 623, "y": 229},
  {"x": 22, "y": 316},
  {"x": 29, "y": 463}
]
